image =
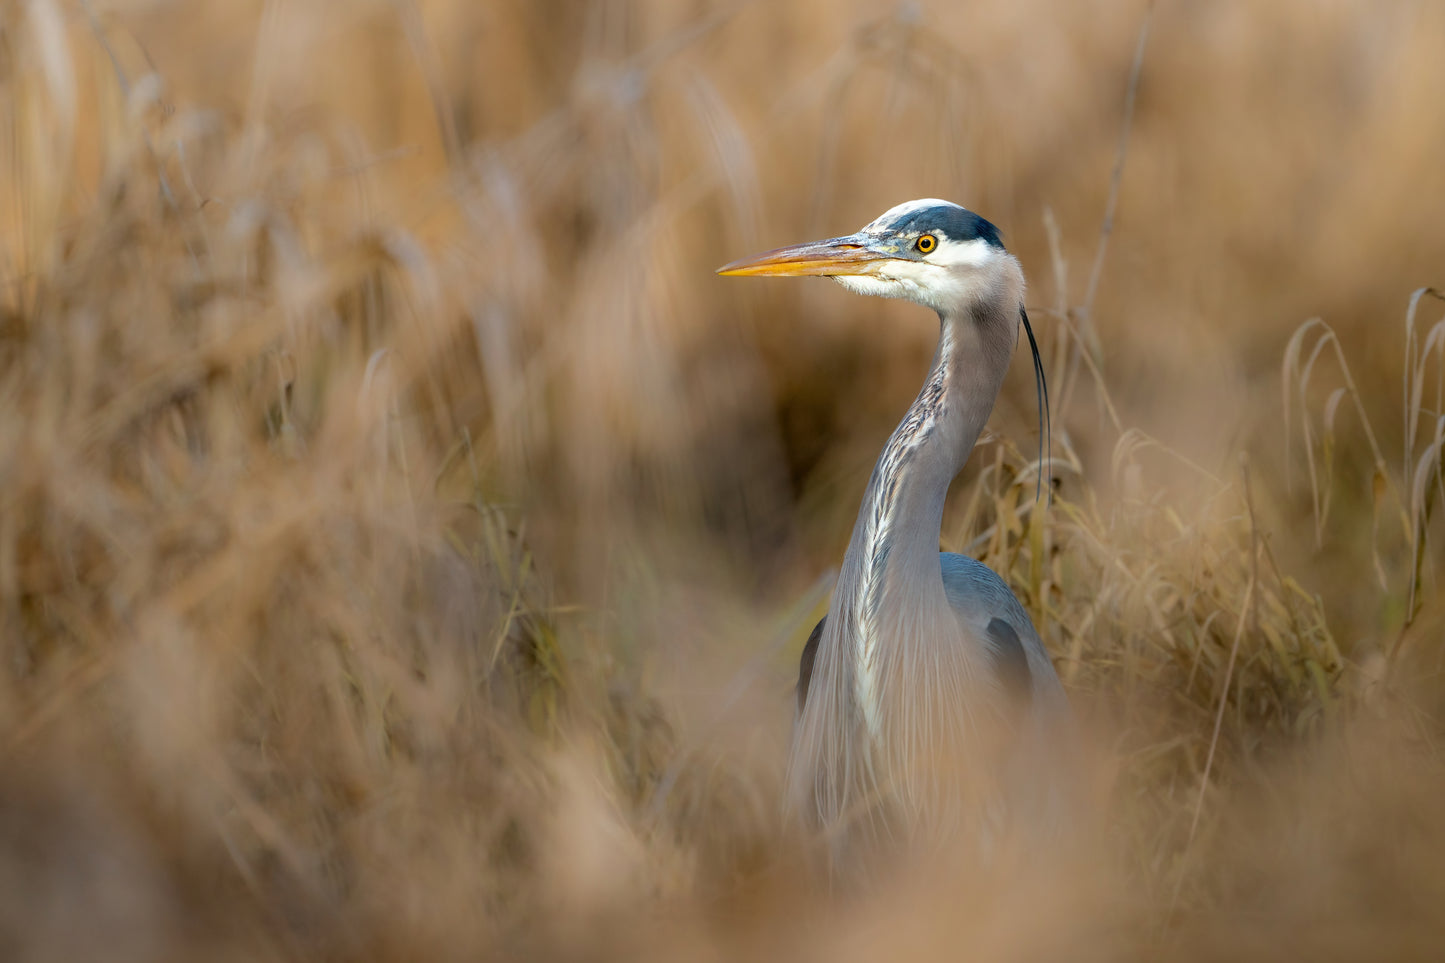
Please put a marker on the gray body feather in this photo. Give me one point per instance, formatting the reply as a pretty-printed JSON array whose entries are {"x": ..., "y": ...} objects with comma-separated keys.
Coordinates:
[{"x": 982, "y": 601}]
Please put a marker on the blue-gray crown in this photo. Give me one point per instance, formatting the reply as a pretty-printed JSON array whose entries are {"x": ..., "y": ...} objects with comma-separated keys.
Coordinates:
[{"x": 949, "y": 220}]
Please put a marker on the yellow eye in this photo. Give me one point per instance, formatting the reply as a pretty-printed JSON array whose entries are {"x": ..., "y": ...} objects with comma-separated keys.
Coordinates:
[{"x": 926, "y": 243}]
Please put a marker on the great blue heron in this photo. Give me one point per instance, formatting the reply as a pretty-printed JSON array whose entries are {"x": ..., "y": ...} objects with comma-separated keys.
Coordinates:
[{"x": 925, "y": 688}]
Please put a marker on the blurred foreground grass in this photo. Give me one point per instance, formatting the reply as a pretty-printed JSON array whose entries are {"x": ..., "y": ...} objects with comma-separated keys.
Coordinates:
[{"x": 407, "y": 541}]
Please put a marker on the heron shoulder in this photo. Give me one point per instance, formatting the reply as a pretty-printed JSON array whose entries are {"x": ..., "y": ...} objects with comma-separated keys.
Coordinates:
[
  {"x": 980, "y": 598},
  {"x": 988, "y": 608},
  {"x": 977, "y": 590}
]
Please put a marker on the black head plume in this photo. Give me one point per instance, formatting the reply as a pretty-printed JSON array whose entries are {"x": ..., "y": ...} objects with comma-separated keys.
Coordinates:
[{"x": 1046, "y": 421}]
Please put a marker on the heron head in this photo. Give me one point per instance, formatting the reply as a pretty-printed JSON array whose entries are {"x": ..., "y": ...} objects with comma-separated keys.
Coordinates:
[
  {"x": 929, "y": 251},
  {"x": 932, "y": 252}
]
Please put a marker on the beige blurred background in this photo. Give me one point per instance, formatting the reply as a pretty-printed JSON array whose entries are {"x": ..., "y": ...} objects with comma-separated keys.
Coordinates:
[
  {"x": 597, "y": 160},
  {"x": 409, "y": 539}
]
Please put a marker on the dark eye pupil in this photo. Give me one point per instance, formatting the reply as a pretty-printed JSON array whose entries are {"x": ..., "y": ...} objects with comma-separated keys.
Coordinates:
[{"x": 925, "y": 243}]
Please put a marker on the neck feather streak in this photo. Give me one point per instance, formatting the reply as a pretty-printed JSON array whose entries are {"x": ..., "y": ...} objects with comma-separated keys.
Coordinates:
[{"x": 896, "y": 587}]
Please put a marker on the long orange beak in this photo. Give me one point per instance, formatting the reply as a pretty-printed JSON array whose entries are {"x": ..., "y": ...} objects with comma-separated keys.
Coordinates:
[{"x": 840, "y": 255}]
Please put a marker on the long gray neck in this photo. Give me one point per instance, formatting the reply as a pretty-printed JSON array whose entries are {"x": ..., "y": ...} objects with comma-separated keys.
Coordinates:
[{"x": 892, "y": 581}]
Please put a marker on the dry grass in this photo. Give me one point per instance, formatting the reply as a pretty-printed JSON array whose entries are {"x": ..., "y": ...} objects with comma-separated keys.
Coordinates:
[{"x": 407, "y": 542}]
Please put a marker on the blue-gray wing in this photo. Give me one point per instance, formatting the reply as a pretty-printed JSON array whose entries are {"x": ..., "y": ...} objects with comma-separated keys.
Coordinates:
[
  {"x": 985, "y": 604},
  {"x": 1011, "y": 660},
  {"x": 1043, "y": 783},
  {"x": 988, "y": 608}
]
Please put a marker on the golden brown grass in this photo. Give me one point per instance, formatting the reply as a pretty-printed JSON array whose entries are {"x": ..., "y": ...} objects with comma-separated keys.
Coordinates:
[{"x": 407, "y": 541}]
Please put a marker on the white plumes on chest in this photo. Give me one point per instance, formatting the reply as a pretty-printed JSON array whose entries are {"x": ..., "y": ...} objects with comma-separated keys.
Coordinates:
[{"x": 869, "y": 610}]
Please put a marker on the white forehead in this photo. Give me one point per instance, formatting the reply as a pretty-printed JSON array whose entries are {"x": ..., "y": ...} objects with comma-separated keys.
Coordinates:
[{"x": 885, "y": 220}]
